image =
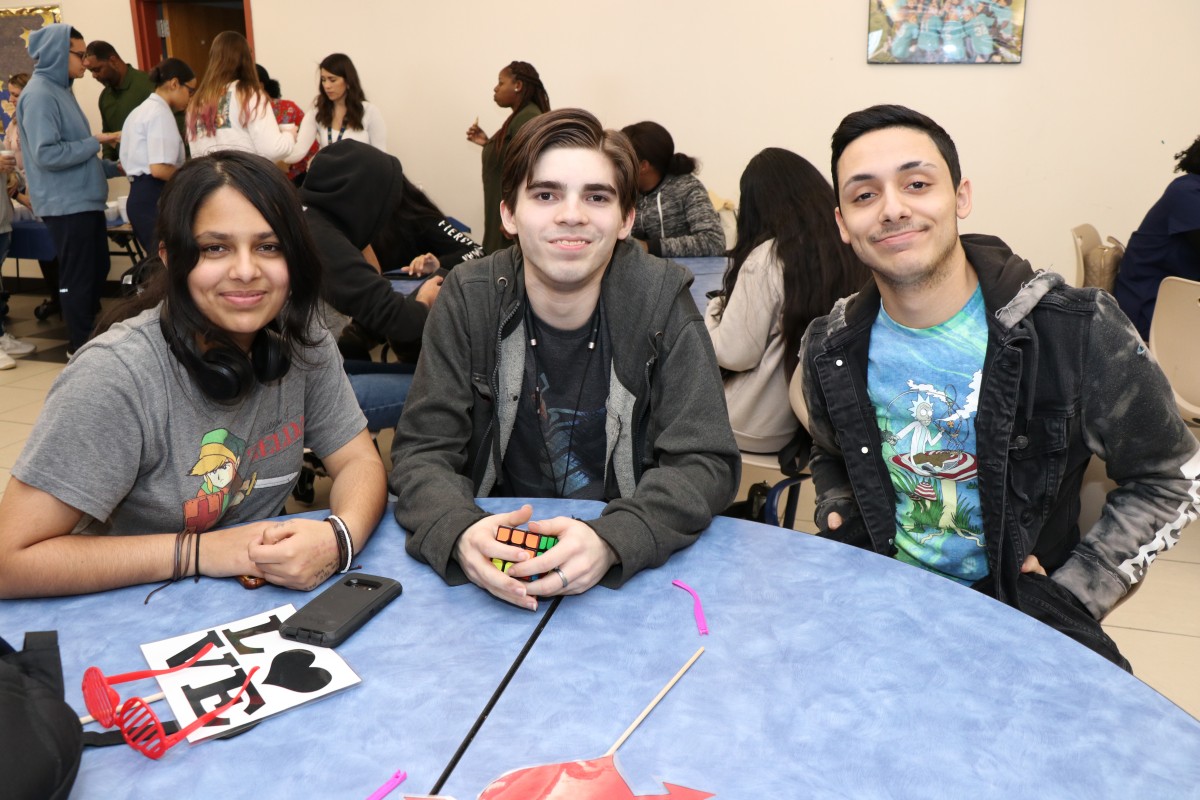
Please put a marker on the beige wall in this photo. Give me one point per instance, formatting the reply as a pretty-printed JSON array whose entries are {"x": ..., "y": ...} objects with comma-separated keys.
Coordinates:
[{"x": 1083, "y": 130}]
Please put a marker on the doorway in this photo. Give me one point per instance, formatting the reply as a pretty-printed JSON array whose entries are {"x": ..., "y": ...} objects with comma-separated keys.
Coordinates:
[{"x": 185, "y": 29}]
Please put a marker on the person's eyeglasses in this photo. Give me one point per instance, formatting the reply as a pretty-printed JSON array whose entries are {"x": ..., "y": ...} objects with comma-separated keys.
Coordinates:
[
  {"x": 138, "y": 723},
  {"x": 80, "y": 54},
  {"x": 191, "y": 89}
]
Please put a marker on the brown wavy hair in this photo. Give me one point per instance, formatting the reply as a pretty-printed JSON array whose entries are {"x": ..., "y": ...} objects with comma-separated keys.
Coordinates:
[{"x": 229, "y": 60}]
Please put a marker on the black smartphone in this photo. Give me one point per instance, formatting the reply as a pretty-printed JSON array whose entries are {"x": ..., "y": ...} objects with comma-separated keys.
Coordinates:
[{"x": 329, "y": 618}]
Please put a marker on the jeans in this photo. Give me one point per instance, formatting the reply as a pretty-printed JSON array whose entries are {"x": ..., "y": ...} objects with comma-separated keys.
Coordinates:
[{"x": 380, "y": 390}]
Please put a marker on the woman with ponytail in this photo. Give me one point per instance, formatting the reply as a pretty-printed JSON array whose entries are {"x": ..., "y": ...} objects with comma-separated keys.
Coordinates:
[
  {"x": 675, "y": 218},
  {"x": 519, "y": 89},
  {"x": 151, "y": 147}
]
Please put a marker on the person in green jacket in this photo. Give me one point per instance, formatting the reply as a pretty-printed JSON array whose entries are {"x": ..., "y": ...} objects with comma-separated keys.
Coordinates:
[
  {"x": 125, "y": 88},
  {"x": 520, "y": 89}
]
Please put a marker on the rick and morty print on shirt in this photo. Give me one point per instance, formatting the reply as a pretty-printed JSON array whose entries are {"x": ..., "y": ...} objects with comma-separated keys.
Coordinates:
[{"x": 924, "y": 386}]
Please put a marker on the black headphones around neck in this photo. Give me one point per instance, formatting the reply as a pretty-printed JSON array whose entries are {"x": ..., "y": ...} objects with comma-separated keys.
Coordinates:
[{"x": 225, "y": 374}]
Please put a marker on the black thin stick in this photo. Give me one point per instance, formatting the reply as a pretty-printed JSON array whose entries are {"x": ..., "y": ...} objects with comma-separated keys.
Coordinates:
[{"x": 491, "y": 703}]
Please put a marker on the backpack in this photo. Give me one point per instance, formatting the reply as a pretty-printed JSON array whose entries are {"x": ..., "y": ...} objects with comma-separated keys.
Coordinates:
[
  {"x": 41, "y": 739},
  {"x": 1100, "y": 265}
]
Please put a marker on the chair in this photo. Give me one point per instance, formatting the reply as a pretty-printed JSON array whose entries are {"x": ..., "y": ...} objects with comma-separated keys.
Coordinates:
[
  {"x": 1086, "y": 238},
  {"x": 1173, "y": 332},
  {"x": 792, "y": 487},
  {"x": 789, "y": 485}
]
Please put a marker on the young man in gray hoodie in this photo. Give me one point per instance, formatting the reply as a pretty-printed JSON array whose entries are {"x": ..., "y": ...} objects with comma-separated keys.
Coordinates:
[
  {"x": 570, "y": 365},
  {"x": 67, "y": 182}
]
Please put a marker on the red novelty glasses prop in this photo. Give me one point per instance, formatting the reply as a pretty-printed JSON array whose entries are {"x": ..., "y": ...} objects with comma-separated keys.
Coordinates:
[{"x": 140, "y": 726}]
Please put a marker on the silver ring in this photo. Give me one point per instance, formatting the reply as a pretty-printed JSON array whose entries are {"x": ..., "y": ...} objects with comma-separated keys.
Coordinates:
[{"x": 561, "y": 577}]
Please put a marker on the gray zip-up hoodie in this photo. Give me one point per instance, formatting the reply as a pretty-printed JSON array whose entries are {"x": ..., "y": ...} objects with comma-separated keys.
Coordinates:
[
  {"x": 672, "y": 460},
  {"x": 676, "y": 219}
]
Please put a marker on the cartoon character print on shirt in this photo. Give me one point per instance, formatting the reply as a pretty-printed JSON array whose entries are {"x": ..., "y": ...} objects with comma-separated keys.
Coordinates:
[
  {"x": 222, "y": 487},
  {"x": 930, "y": 457}
]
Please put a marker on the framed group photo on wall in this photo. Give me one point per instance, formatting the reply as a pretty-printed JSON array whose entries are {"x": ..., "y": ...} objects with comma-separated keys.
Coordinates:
[{"x": 945, "y": 31}]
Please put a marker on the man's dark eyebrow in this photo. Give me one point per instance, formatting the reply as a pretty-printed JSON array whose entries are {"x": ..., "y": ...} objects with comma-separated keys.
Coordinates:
[
  {"x": 558, "y": 187},
  {"x": 905, "y": 167}
]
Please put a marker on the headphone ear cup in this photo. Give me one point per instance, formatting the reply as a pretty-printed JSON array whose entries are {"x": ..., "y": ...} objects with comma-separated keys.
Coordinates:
[
  {"x": 226, "y": 374},
  {"x": 272, "y": 358}
]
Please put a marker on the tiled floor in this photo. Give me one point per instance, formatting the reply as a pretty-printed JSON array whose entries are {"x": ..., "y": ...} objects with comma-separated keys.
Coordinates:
[{"x": 1157, "y": 627}]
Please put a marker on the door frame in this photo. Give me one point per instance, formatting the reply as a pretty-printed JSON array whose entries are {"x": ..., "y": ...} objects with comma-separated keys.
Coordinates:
[{"x": 145, "y": 31}]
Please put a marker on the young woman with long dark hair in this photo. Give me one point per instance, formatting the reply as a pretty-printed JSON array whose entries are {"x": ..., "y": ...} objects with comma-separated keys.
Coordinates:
[
  {"x": 788, "y": 267},
  {"x": 340, "y": 111},
  {"x": 191, "y": 416},
  {"x": 519, "y": 89}
]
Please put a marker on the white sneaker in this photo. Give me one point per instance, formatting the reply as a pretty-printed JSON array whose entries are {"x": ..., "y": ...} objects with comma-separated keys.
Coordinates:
[
  {"x": 12, "y": 346},
  {"x": 6, "y": 361}
]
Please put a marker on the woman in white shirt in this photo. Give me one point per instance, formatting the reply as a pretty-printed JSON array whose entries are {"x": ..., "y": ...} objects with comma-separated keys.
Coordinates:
[
  {"x": 788, "y": 267},
  {"x": 230, "y": 110},
  {"x": 151, "y": 147},
  {"x": 340, "y": 111}
]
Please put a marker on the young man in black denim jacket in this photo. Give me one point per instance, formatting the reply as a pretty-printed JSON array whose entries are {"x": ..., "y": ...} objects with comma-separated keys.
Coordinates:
[
  {"x": 572, "y": 365},
  {"x": 1063, "y": 376}
]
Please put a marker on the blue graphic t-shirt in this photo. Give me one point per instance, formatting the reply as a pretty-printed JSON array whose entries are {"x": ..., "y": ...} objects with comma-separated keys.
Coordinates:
[{"x": 924, "y": 385}]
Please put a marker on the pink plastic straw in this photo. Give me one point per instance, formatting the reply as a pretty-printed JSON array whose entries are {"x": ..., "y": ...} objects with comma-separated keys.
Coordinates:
[
  {"x": 697, "y": 609},
  {"x": 391, "y": 783}
]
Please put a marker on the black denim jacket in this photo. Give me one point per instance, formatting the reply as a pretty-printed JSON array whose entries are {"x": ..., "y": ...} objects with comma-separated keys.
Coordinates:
[{"x": 1065, "y": 377}]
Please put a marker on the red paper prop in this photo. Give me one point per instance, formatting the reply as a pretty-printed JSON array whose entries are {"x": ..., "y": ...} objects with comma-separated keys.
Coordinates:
[{"x": 594, "y": 779}]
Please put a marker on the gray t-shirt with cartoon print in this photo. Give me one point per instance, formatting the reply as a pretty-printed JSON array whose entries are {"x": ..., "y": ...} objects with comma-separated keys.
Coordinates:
[{"x": 127, "y": 437}]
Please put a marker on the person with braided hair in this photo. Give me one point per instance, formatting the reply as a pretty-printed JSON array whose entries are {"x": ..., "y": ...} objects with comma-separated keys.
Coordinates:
[{"x": 520, "y": 89}]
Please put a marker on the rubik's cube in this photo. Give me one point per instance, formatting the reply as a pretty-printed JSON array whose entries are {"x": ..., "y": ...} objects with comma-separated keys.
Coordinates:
[{"x": 535, "y": 543}]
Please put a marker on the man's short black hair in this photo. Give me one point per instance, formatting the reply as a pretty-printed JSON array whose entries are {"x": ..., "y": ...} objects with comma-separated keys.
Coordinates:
[
  {"x": 101, "y": 51},
  {"x": 879, "y": 117}
]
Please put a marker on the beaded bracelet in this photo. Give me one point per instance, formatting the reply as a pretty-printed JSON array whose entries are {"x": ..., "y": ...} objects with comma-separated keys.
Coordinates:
[{"x": 341, "y": 535}]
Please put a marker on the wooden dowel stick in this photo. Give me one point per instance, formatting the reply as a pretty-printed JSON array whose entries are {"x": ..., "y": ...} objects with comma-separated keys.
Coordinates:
[
  {"x": 646, "y": 711},
  {"x": 151, "y": 699}
]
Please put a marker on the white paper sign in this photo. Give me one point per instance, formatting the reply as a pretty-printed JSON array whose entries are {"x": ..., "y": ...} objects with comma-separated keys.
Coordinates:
[{"x": 289, "y": 674}]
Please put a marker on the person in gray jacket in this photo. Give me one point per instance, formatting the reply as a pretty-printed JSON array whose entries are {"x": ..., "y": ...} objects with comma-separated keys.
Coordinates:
[
  {"x": 570, "y": 365},
  {"x": 675, "y": 217}
]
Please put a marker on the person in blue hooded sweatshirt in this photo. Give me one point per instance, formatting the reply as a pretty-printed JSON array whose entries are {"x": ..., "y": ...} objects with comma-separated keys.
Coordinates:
[{"x": 67, "y": 181}]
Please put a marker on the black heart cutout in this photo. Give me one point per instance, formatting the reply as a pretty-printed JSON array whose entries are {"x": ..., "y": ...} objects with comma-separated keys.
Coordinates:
[{"x": 293, "y": 670}]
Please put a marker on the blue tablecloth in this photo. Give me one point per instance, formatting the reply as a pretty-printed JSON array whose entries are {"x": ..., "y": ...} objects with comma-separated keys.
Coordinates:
[{"x": 829, "y": 672}]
